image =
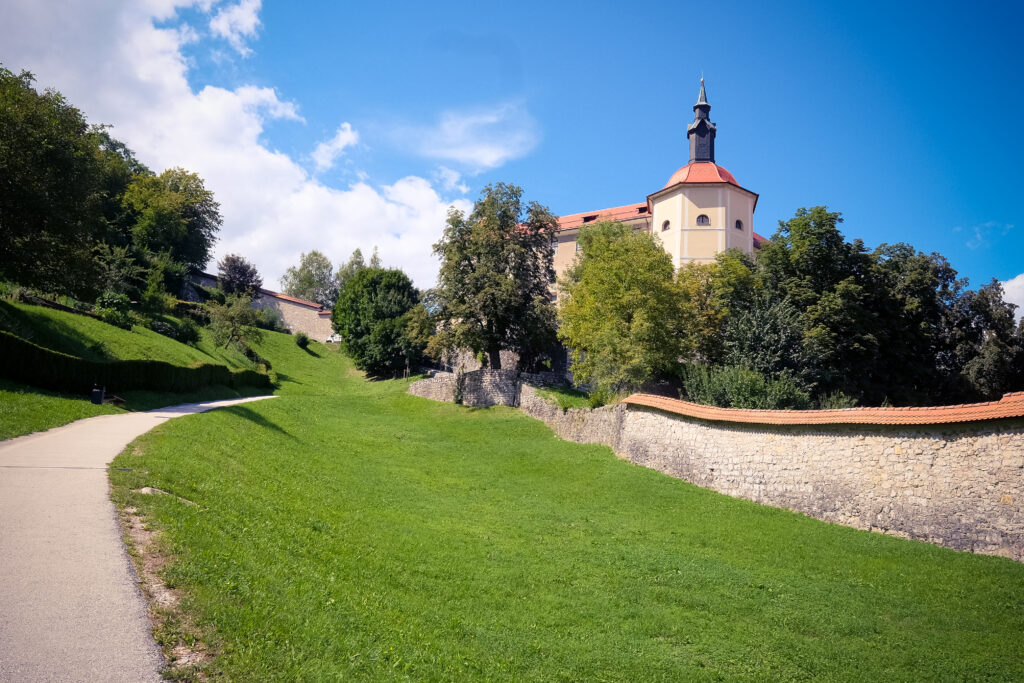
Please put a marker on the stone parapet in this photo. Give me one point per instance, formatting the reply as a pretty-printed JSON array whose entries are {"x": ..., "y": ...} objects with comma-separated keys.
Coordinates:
[{"x": 958, "y": 484}]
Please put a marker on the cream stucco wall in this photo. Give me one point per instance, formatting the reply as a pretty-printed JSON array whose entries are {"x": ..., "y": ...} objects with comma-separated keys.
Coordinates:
[{"x": 722, "y": 203}]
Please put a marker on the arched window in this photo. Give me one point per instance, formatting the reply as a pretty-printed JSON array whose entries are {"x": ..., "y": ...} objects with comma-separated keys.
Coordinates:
[
  {"x": 739, "y": 225},
  {"x": 703, "y": 220},
  {"x": 665, "y": 226}
]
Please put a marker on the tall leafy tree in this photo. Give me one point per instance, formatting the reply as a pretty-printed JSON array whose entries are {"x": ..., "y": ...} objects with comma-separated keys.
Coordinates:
[
  {"x": 624, "y": 317},
  {"x": 50, "y": 189},
  {"x": 496, "y": 275},
  {"x": 313, "y": 280},
  {"x": 373, "y": 316},
  {"x": 174, "y": 213},
  {"x": 237, "y": 276}
]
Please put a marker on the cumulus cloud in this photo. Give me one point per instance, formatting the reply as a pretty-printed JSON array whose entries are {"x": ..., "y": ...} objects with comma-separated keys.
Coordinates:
[
  {"x": 1013, "y": 291},
  {"x": 326, "y": 152},
  {"x": 237, "y": 23},
  {"x": 111, "y": 59},
  {"x": 479, "y": 139}
]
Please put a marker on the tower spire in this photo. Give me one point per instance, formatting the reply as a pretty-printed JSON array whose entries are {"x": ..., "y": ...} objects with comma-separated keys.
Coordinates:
[{"x": 701, "y": 132}]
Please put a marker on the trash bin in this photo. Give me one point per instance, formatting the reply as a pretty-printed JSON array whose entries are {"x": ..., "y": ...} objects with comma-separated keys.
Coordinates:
[{"x": 97, "y": 394}]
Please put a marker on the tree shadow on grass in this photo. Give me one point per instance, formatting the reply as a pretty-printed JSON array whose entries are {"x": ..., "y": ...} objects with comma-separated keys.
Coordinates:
[
  {"x": 311, "y": 352},
  {"x": 282, "y": 377},
  {"x": 247, "y": 413}
]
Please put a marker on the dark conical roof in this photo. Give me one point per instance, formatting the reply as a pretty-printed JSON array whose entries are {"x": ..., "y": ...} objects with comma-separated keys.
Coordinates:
[{"x": 702, "y": 98}]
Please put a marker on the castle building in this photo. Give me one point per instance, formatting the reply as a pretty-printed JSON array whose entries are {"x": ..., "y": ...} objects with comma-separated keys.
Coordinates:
[{"x": 702, "y": 209}]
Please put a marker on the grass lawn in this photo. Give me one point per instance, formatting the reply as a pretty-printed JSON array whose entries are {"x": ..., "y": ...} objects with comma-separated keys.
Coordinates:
[
  {"x": 348, "y": 529},
  {"x": 25, "y": 409},
  {"x": 85, "y": 337},
  {"x": 565, "y": 397}
]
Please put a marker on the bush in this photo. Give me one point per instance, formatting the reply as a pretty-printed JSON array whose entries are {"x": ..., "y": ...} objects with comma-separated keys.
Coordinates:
[
  {"x": 733, "y": 386},
  {"x": 188, "y": 332},
  {"x": 836, "y": 400},
  {"x": 112, "y": 308},
  {"x": 302, "y": 340},
  {"x": 166, "y": 329},
  {"x": 23, "y": 361}
]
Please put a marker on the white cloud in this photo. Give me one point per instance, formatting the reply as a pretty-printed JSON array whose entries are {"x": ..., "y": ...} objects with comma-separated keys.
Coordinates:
[
  {"x": 111, "y": 61},
  {"x": 236, "y": 23},
  {"x": 326, "y": 152},
  {"x": 449, "y": 179},
  {"x": 1013, "y": 291},
  {"x": 478, "y": 139},
  {"x": 981, "y": 235}
]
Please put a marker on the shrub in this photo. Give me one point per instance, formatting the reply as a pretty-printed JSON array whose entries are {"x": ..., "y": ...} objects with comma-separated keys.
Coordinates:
[
  {"x": 166, "y": 329},
  {"x": 112, "y": 308},
  {"x": 271, "y": 319},
  {"x": 302, "y": 340},
  {"x": 835, "y": 400},
  {"x": 188, "y": 332},
  {"x": 733, "y": 386},
  {"x": 235, "y": 323}
]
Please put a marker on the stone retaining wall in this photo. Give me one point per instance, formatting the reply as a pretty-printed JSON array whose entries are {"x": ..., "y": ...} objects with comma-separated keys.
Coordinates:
[{"x": 957, "y": 485}]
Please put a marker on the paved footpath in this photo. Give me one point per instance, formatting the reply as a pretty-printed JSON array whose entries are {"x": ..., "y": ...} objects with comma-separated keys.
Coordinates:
[{"x": 70, "y": 604}]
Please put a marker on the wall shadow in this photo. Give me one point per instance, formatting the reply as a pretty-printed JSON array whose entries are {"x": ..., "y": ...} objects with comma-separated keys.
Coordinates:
[{"x": 249, "y": 414}]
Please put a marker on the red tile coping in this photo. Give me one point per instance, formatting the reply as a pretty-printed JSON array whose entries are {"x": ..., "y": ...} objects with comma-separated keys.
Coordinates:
[{"x": 1010, "y": 406}]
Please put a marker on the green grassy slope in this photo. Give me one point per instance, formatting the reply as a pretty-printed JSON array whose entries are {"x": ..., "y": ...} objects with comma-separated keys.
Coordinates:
[
  {"x": 85, "y": 337},
  {"x": 347, "y": 529},
  {"x": 25, "y": 409}
]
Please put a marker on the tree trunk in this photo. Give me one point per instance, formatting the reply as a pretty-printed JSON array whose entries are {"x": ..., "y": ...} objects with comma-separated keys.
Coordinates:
[{"x": 494, "y": 358}]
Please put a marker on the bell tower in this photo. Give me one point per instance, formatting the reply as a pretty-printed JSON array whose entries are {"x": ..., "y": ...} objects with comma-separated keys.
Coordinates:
[{"x": 701, "y": 132}]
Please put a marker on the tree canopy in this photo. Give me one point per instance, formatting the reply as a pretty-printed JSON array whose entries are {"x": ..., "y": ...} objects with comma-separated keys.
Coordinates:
[
  {"x": 313, "y": 280},
  {"x": 237, "y": 276},
  {"x": 80, "y": 215},
  {"x": 496, "y": 275},
  {"x": 623, "y": 317},
  {"x": 372, "y": 316}
]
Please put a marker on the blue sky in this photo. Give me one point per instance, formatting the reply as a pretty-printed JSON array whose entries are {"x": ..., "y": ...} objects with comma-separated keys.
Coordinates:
[{"x": 904, "y": 116}]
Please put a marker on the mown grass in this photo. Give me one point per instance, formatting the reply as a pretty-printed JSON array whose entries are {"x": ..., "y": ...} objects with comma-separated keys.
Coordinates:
[
  {"x": 25, "y": 409},
  {"x": 349, "y": 530},
  {"x": 565, "y": 397},
  {"x": 85, "y": 337}
]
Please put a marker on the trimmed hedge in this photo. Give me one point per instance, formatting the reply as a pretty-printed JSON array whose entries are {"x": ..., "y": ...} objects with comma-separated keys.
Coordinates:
[{"x": 23, "y": 361}]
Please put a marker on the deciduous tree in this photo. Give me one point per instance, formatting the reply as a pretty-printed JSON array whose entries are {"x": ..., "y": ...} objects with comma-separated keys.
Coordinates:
[
  {"x": 372, "y": 316},
  {"x": 496, "y": 275},
  {"x": 237, "y": 276},
  {"x": 624, "y": 318},
  {"x": 313, "y": 280}
]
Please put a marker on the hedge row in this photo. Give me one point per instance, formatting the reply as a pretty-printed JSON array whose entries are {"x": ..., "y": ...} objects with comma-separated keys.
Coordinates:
[{"x": 23, "y": 361}]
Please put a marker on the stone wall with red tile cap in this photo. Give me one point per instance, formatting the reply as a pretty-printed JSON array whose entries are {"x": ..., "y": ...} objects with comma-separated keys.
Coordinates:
[{"x": 950, "y": 475}]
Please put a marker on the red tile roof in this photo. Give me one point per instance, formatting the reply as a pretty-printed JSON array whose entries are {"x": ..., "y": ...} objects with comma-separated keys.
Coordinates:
[
  {"x": 1010, "y": 406},
  {"x": 701, "y": 172},
  {"x": 294, "y": 300},
  {"x": 616, "y": 213}
]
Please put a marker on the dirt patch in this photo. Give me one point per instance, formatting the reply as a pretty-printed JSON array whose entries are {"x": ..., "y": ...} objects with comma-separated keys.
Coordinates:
[
  {"x": 149, "y": 490},
  {"x": 186, "y": 654}
]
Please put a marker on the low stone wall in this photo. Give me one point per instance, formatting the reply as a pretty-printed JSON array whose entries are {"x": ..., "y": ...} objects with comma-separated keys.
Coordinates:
[
  {"x": 479, "y": 388},
  {"x": 957, "y": 485},
  {"x": 601, "y": 425},
  {"x": 440, "y": 387},
  {"x": 485, "y": 387}
]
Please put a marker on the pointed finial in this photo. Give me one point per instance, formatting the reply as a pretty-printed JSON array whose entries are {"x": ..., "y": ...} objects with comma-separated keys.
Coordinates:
[{"x": 702, "y": 98}]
